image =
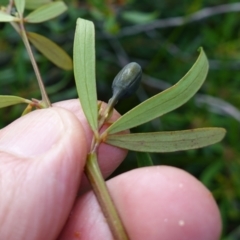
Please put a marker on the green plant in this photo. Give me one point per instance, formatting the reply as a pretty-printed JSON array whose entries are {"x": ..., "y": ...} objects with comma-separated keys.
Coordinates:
[
  {"x": 84, "y": 71},
  {"x": 42, "y": 12}
]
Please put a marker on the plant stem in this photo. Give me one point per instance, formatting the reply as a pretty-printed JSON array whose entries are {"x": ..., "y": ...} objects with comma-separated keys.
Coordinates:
[
  {"x": 95, "y": 177},
  {"x": 45, "y": 98}
]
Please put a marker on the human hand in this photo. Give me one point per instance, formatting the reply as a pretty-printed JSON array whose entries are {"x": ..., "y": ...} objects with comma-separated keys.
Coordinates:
[{"x": 42, "y": 157}]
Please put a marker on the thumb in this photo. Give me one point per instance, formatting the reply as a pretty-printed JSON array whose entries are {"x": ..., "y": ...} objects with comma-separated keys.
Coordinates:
[{"x": 41, "y": 161}]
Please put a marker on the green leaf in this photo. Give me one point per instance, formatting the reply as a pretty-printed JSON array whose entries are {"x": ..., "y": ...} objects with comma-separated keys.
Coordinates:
[
  {"x": 27, "y": 110},
  {"x": 167, "y": 100},
  {"x": 46, "y": 12},
  {"x": 4, "y": 17},
  {"x": 20, "y": 4},
  {"x": 211, "y": 172},
  {"x": 33, "y": 4},
  {"x": 84, "y": 70},
  {"x": 144, "y": 159},
  {"x": 6, "y": 100},
  {"x": 139, "y": 17},
  {"x": 51, "y": 50},
  {"x": 167, "y": 141}
]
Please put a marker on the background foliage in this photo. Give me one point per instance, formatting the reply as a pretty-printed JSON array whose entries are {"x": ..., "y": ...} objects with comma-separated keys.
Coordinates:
[{"x": 162, "y": 36}]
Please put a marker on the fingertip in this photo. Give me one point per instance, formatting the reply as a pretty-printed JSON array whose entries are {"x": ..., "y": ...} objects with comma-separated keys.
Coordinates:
[
  {"x": 167, "y": 203},
  {"x": 40, "y": 172},
  {"x": 154, "y": 203}
]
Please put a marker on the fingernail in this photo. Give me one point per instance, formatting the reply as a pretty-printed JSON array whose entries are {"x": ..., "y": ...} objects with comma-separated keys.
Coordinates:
[{"x": 33, "y": 134}]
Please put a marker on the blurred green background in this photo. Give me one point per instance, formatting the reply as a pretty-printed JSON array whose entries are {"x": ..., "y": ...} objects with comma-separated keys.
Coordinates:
[{"x": 163, "y": 37}]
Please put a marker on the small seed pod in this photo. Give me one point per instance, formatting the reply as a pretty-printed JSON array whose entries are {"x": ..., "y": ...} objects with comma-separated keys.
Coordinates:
[{"x": 126, "y": 82}]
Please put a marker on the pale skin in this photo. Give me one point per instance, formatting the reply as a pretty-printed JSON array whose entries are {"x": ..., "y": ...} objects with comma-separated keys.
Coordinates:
[{"x": 42, "y": 157}]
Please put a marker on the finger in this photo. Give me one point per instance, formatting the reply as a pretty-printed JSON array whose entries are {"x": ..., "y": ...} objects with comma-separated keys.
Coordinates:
[
  {"x": 109, "y": 157},
  {"x": 42, "y": 157},
  {"x": 154, "y": 203}
]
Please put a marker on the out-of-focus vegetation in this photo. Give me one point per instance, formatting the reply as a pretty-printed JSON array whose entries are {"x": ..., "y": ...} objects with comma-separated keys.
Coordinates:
[{"x": 163, "y": 37}]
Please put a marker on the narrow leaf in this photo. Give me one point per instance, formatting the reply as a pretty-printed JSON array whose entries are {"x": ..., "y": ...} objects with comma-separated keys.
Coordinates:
[
  {"x": 6, "y": 100},
  {"x": 46, "y": 12},
  {"x": 84, "y": 69},
  {"x": 167, "y": 141},
  {"x": 51, "y": 50},
  {"x": 4, "y": 17},
  {"x": 33, "y": 4},
  {"x": 167, "y": 100},
  {"x": 139, "y": 17},
  {"x": 27, "y": 110},
  {"x": 20, "y": 4},
  {"x": 144, "y": 159}
]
